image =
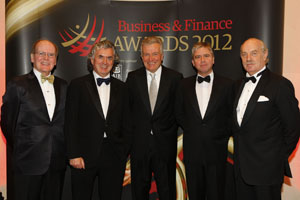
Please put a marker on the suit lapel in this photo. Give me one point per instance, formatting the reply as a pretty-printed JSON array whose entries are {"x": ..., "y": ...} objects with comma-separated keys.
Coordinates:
[
  {"x": 38, "y": 94},
  {"x": 92, "y": 90},
  {"x": 143, "y": 87},
  {"x": 191, "y": 91},
  {"x": 240, "y": 88},
  {"x": 113, "y": 96},
  {"x": 253, "y": 99},
  {"x": 215, "y": 91},
  {"x": 164, "y": 84},
  {"x": 57, "y": 88}
]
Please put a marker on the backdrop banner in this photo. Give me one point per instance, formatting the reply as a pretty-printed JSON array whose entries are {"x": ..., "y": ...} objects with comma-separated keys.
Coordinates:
[{"x": 75, "y": 25}]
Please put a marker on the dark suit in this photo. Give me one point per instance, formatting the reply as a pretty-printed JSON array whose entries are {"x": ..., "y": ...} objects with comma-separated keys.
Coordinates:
[
  {"x": 38, "y": 143},
  {"x": 205, "y": 138},
  {"x": 153, "y": 152},
  {"x": 85, "y": 126},
  {"x": 268, "y": 133}
]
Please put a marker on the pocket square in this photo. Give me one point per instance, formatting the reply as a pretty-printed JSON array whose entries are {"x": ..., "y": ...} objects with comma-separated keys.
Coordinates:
[{"x": 262, "y": 98}]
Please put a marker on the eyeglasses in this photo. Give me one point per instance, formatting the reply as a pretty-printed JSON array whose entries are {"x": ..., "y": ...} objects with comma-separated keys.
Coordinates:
[{"x": 43, "y": 54}]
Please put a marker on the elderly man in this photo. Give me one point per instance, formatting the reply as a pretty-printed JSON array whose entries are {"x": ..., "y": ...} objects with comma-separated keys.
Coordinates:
[
  {"x": 98, "y": 127},
  {"x": 32, "y": 121},
  {"x": 265, "y": 126}
]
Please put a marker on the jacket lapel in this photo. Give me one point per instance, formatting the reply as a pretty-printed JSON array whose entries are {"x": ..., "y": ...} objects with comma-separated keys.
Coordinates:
[
  {"x": 191, "y": 91},
  {"x": 38, "y": 94},
  {"x": 253, "y": 99},
  {"x": 164, "y": 84},
  {"x": 92, "y": 90},
  {"x": 240, "y": 87},
  {"x": 143, "y": 87},
  {"x": 57, "y": 88},
  {"x": 215, "y": 91},
  {"x": 113, "y": 96}
]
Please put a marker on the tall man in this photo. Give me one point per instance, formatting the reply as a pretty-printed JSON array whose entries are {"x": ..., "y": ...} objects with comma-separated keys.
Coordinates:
[
  {"x": 98, "y": 127},
  {"x": 152, "y": 92},
  {"x": 266, "y": 126},
  {"x": 32, "y": 121},
  {"x": 203, "y": 110}
]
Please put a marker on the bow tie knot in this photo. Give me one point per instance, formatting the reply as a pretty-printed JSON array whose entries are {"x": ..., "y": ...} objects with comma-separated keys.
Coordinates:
[
  {"x": 251, "y": 78},
  {"x": 50, "y": 79},
  {"x": 201, "y": 79},
  {"x": 103, "y": 80}
]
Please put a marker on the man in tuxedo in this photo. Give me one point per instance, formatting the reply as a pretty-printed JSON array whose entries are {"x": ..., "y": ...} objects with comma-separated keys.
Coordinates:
[
  {"x": 98, "y": 127},
  {"x": 152, "y": 92},
  {"x": 203, "y": 109},
  {"x": 265, "y": 126},
  {"x": 32, "y": 121}
]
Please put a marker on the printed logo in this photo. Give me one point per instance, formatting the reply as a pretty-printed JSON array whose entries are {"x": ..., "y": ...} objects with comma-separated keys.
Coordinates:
[{"x": 80, "y": 40}]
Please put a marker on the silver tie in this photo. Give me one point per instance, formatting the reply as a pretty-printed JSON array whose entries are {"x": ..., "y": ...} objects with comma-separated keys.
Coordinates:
[{"x": 153, "y": 91}]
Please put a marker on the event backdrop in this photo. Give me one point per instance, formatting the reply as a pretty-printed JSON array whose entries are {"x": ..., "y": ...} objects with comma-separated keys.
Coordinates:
[{"x": 74, "y": 25}]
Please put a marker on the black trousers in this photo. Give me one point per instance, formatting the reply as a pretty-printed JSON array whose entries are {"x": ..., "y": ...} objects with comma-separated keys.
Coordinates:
[
  {"x": 110, "y": 172},
  {"x": 205, "y": 182},
  {"x": 164, "y": 175},
  {"x": 245, "y": 191},
  {"x": 48, "y": 186}
]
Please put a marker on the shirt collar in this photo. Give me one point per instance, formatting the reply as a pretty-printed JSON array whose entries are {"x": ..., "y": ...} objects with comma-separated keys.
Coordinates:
[
  {"x": 211, "y": 76},
  {"x": 97, "y": 75},
  {"x": 157, "y": 73},
  {"x": 255, "y": 75},
  {"x": 38, "y": 74}
]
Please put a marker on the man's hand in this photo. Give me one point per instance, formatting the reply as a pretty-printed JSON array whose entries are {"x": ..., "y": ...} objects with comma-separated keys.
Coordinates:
[{"x": 77, "y": 163}]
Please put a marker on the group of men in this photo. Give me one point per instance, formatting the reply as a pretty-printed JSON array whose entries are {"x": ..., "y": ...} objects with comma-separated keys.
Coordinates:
[{"x": 97, "y": 121}]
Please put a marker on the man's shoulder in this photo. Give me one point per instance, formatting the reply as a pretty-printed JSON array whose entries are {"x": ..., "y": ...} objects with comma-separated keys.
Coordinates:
[
  {"x": 81, "y": 78},
  {"x": 61, "y": 81},
  {"x": 117, "y": 81},
  {"x": 223, "y": 78},
  {"x": 171, "y": 72},
  {"x": 21, "y": 80},
  {"x": 137, "y": 72},
  {"x": 277, "y": 79}
]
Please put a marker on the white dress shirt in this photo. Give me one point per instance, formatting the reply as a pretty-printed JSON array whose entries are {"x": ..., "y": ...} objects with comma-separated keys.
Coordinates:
[
  {"x": 48, "y": 93},
  {"x": 246, "y": 94},
  {"x": 104, "y": 94},
  {"x": 203, "y": 92}
]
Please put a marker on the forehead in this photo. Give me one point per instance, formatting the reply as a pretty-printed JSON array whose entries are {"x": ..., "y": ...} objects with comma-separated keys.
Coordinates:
[
  {"x": 202, "y": 50},
  {"x": 251, "y": 45},
  {"x": 153, "y": 46},
  {"x": 45, "y": 45},
  {"x": 105, "y": 51}
]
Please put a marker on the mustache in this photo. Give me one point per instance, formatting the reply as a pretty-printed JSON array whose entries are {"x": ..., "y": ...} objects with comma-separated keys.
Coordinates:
[{"x": 250, "y": 62}]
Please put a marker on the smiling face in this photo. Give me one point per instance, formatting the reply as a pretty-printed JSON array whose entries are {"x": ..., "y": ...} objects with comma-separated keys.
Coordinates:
[
  {"x": 203, "y": 60},
  {"x": 152, "y": 56},
  {"x": 254, "y": 55},
  {"x": 44, "y": 57},
  {"x": 103, "y": 61}
]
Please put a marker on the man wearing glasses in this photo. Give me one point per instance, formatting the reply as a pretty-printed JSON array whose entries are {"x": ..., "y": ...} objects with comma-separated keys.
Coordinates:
[{"x": 32, "y": 120}]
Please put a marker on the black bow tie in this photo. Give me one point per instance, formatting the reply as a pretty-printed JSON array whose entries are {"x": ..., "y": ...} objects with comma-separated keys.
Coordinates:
[
  {"x": 252, "y": 78},
  {"x": 201, "y": 79},
  {"x": 103, "y": 80}
]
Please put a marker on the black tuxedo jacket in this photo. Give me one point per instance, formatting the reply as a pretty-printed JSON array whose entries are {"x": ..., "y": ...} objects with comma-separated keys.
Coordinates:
[
  {"x": 269, "y": 131},
  {"x": 205, "y": 138},
  {"x": 85, "y": 123},
  {"x": 162, "y": 122},
  {"x": 37, "y": 142}
]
